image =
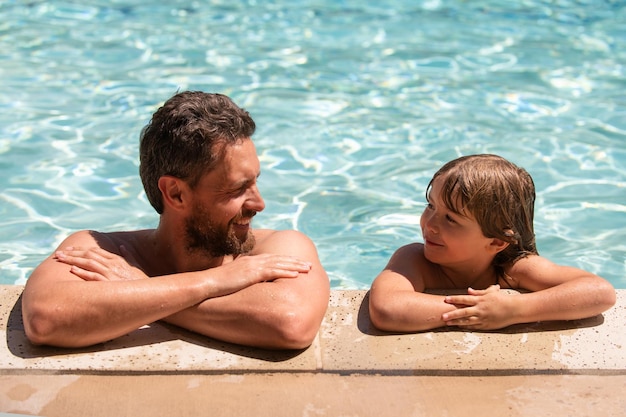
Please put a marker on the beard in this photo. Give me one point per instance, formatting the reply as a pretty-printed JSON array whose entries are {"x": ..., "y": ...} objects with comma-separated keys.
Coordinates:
[{"x": 204, "y": 235}]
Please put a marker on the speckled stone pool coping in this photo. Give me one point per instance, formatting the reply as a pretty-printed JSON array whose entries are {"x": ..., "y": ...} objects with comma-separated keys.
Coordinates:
[{"x": 346, "y": 344}]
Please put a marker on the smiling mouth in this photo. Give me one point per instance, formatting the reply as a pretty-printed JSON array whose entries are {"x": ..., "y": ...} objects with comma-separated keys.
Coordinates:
[
  {"x": 431, "y": 243},
  {"x": 242, "y": 223},
  {"x": 245, "y": 219}
]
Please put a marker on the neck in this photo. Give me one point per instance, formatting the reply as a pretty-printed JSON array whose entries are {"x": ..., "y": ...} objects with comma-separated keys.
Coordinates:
[
  {"x": 174, "y": 256},
  {"x": 469, "y": 277}
]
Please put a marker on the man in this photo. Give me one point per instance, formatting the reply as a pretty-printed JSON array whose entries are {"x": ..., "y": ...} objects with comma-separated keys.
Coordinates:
[{"x": 203, "y": 268}]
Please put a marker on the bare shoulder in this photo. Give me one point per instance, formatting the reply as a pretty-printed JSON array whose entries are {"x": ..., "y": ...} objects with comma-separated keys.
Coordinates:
[
  {"x": 284, "y": 242},
  {"x": 137, "y": 241},
  {"x": 533, "y": 265},
  {"x": 82, "y": 238},
  {"x": 109, "y": 241},
  {"x": 407, "y": 258},
  {"x": 50, "y": 269},
  {"x": 536, "y": 273},
  {"x": 265, "y": 234},
  {"x": 410, "y": 250},
  {"x": 406, "y": 269},
  {"x": 298, "y": 245}
]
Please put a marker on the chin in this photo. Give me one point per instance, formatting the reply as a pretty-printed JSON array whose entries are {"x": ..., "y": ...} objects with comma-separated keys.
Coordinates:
[
  {"x": 430, "y": 258},
  {"x": 247, "y": 244}
]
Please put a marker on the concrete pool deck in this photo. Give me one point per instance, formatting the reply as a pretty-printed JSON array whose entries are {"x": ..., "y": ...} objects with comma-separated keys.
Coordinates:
[{"x": 575, "y": 368}]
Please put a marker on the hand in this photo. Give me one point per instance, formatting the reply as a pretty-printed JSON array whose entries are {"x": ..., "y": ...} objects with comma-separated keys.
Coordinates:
[
  {"x": 248, "y": 270},
  {"x": 96, "y": 264},
  {"x": 265, "y": 267},
  {"x": 481, "y": 309}
]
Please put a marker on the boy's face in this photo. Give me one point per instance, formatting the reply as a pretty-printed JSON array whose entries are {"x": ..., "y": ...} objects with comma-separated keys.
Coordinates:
[{"x": 451, "y": 239}]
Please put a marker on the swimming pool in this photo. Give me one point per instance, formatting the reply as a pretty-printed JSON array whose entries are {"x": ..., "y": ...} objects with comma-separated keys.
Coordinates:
[{"x": 356, "y": 105}]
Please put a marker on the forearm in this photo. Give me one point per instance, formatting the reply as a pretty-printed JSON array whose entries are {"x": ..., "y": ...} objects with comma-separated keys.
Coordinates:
[
  {"x": 407, "y": 311},
  {"x": 82, "y": 313},
  {"x": 267, "y": 315},
  {"x": 572, "y": 300}
]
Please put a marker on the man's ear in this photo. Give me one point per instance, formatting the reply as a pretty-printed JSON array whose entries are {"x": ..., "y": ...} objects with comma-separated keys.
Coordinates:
[
  {"x": 498, "y": 245},
  {"x": 173, "y": 191}
]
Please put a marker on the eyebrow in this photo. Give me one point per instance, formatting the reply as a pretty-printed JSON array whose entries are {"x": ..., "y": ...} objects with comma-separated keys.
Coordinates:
[
  {"x": 244, "y": 183},
  {"x": 463, "y": 213}
]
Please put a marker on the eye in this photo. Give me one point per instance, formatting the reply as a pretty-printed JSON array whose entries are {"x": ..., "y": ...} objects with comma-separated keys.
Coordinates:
[
  {"x": 239, "y": 191},
  {"x": 450, "y": 219}
]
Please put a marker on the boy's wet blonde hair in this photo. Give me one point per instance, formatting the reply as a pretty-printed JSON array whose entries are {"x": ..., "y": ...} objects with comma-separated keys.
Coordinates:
[{"x": 499, "y": 195}]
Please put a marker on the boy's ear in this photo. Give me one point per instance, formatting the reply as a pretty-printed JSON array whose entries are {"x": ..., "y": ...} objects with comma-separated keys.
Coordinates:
[
  {"x": 173, "y": 192},
  {"x": 498, "y": 245}
]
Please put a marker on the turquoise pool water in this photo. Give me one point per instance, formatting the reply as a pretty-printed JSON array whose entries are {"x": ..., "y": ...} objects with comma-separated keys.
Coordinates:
[{"x": 357, "y": 106}]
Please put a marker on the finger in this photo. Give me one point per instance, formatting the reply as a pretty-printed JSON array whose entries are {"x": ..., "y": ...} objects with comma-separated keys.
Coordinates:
[
  {"x": 471, "y": 326},
  {"x": 282, "y": 272},
  {"x": 75, "y": 253},
  {"x": 284, "y": 264},
  {"x": 491, "y": 288},
  {"x": 83, "y": 263},
  {"x": 461, "y": 313},
  {"x": 294, "y": 266},
  {"x": 463, "y": 322},
  {"x": 467, "y": 300},
  {"x": 458, "y": 314},
  {"x": 86, "y": 275},
  {"x": 290, "y": 260},
  {"x": 65, "y": 257},
  {"x": 99, "y": 253}
]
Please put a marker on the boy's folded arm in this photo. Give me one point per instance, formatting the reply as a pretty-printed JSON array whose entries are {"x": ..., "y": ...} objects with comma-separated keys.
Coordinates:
[
  {"x": 560, "y": 292},
  {"x": 398, "y": 309},
  {"x": 571, "y": 300}
]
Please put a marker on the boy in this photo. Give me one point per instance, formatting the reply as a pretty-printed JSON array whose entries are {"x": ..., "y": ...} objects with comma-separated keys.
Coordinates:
[{"x": 478, "y": 235}]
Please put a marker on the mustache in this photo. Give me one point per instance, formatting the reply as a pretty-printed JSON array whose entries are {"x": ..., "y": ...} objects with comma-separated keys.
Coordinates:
[{"x": 245, "y": 214}]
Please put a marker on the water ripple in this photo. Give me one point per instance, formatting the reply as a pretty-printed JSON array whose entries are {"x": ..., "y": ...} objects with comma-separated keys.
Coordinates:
[{"x": 356, "y": 106}]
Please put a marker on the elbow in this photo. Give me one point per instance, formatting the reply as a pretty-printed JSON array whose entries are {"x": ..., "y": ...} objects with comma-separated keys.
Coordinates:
[
  {"x": 38, "y": 326},
  {"x": 381, "y": 315},
  {"x": 297, "y": 321},
  {"x": 600, "y": 296},
  {"x": 38, "y": 317},
  {"x": 42, "y": 327},
  {"x": 296, "y": 327},
  {"x": 606, "y": 296},
  {"x": 297, "y": 331}
]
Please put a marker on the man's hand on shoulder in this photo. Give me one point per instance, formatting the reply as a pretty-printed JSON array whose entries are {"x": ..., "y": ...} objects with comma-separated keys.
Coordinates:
[{"x": 97, "y": 264}]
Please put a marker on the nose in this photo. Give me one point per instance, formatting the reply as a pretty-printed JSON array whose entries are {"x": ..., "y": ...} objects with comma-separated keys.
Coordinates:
[
  {"x": 255, "y": 201},
  {"x": 429, "y": 221}
]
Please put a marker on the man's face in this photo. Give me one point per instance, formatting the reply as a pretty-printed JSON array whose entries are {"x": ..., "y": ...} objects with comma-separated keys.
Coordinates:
[{"x": 224, "y": 202}]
